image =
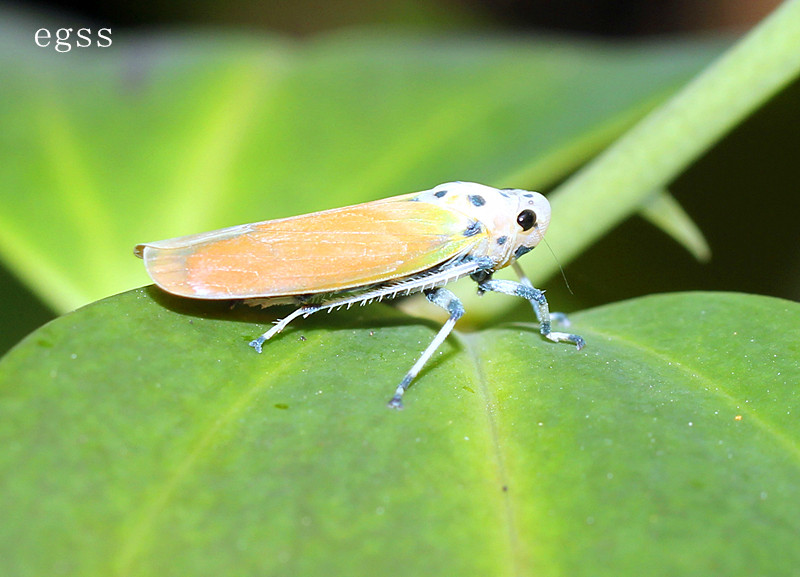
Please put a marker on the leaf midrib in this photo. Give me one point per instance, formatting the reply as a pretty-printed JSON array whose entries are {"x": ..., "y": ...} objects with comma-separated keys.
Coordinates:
[{"x": 507, "y": 516}]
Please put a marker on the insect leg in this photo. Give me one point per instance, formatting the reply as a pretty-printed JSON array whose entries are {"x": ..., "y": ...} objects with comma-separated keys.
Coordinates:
[
  {"x": 559, "y": 318},
  {"x": 539, "y": 302},
  {"x": 280, "y": 325},
  {"x": 449, "y": 302}
]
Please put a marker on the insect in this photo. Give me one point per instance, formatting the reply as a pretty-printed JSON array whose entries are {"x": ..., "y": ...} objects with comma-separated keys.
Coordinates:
[{"x": 378, "y": 250}]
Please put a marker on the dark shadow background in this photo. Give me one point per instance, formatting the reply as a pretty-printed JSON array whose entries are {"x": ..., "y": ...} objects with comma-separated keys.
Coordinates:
[
  {"x": 606, "y": 18},
  {"x": 743, "y": 194}
]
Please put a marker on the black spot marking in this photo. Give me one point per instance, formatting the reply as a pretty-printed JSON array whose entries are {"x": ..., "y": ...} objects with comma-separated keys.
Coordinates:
[
  {"x": 477, "y": 199},
  {"x": 529, "y": 195},
  {"x": 439, "y": 193},
  {"x": 501, "y": 240},
  {"x": 473, "y": 229},
  {"x": 522, "y": 250}
]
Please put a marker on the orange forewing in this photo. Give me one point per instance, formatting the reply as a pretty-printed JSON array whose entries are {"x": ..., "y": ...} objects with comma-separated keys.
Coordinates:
[{"x": 314, "y": 253}]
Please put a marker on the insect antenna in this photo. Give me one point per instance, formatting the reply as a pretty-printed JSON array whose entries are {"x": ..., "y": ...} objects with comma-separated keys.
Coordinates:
[{"x": 561, "y": 268}]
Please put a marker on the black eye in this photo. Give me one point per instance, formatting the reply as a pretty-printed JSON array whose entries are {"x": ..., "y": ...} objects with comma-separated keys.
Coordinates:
[{"x": 526, "y": 219}]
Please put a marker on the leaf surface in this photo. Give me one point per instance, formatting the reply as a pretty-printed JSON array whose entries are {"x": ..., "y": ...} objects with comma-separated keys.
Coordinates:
[{"x": 140, "y": 435}]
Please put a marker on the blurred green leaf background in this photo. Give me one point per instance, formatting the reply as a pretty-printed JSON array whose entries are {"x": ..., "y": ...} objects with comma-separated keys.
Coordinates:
[{"x": 170, "y": 133}]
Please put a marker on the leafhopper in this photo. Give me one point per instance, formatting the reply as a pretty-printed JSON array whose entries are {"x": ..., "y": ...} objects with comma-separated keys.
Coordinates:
[{"x": 417, "y": 242}]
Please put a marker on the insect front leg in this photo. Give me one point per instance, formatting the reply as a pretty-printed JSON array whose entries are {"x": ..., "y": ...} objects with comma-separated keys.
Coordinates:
[
  {"x": 538, "y": 300},
  {"x": 559, "y": 318},
  {"x": 281, "y": 324},
  {"x": 449, "y": 302}
]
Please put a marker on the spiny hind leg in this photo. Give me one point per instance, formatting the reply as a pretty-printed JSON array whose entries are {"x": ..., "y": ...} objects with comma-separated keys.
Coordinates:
[
  {"x": 449, "y": 302},
  {"x": 303, "y": 311}
]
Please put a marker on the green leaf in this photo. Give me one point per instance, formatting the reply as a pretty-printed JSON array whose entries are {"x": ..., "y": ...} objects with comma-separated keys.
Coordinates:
[
  {"x": 663, "y": 144},
  {"x": 658, "y": 148},
  {"x": 663, "y": 211},
  {"x": 180, "y": 133},
  {"x": 141, "y": 436}
]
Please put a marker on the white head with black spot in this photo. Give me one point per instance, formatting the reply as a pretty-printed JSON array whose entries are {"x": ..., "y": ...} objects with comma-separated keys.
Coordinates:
[
  {"x": 531, "y": 217},
  {"x": 512, "y": 221}
]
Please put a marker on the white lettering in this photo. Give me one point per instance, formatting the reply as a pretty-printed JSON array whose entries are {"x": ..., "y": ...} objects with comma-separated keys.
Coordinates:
[
  {"x": 100, "y": 36},
  {"x": 61, "y": 39},
  {"x": 46, "y": 36}
]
